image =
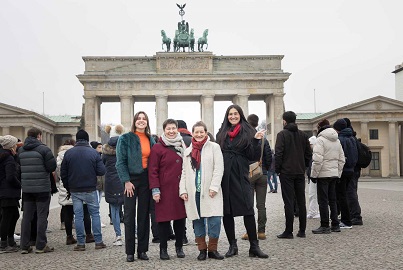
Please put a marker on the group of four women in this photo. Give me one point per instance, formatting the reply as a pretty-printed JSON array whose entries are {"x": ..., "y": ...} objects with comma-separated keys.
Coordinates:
[{"x": 205, "y": 182}]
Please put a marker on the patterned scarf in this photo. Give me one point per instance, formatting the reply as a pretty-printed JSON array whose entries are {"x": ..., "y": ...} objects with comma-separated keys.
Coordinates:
[
  {"x": 196, "y": 152},
  {"x": 176, "y": 142},
  {"x": 232, "y": 134}
]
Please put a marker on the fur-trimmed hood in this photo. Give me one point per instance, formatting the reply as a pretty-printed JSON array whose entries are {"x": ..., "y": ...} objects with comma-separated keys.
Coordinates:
[{"x": 109, "y": 150}]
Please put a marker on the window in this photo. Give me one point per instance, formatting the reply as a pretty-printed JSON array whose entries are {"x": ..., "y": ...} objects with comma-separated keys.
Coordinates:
[
  {"x": 375, "y": 161},
  {"x": 373, "y": 134}
]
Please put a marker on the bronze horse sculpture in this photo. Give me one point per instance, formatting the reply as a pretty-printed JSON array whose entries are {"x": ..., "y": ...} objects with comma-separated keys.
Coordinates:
[
  {"x": 202, "y": 40},
  {"x": 165, "y": 40}
]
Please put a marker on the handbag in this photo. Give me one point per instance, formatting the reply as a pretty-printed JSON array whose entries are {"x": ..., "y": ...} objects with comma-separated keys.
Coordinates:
[{"x": 255, "y": 169}]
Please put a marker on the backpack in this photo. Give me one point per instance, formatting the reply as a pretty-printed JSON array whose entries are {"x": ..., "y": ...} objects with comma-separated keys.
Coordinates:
[{"x": 364, "y": 155}]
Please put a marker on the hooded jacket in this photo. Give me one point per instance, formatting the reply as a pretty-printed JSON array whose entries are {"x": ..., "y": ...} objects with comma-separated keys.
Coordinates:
[
  {"x": 37, "y": 162},
  {"x": 328, "y": 156},
  {"x": 62, "y": 190},
  {"x": 10, "y": 185},
  {"x": 292, "y": 152}
]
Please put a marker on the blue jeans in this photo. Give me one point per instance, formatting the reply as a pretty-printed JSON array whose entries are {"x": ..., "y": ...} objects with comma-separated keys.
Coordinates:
[
  {"x": 91, "y": 199},
  {"x": 274, "y": 174},
  {"x": 115, "y": 216},
  {"x": 199, "y": 225}
]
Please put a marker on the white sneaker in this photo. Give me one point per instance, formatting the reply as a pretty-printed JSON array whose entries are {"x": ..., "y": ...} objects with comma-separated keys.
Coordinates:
[
  {"x": 344, "y": 226},
  {"x": 103, "y": 225},
  {"x": 316, "y": 216},
  {"x": 118, "y": 241}
]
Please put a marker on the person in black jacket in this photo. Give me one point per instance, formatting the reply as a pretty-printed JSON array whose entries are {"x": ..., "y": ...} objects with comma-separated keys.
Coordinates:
[
  {"x": 80, "y": 167},
  {"x": 239, "y": 143},
  {"x": 260, "y": 185},
  {"x": 292, "y": 156},
  {"x": 113, "y": 187},
  {"x": 37, "y": 163},
  {"x": 10, "y": 192}
]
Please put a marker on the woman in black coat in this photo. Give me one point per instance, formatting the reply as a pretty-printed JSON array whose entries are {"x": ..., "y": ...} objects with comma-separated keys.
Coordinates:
[
  {"x": 239, "y": 143},
  {"x": 10, "y": 192}
]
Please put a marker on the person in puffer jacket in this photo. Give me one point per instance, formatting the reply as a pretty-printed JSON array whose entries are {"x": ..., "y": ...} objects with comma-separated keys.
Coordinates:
[
  {"x": 327, "y": 166},
  {"x": 114, "y": 189}
]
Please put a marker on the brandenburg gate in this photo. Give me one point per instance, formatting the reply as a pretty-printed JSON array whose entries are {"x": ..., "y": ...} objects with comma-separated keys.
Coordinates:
[{"x": 183, "y": 76}]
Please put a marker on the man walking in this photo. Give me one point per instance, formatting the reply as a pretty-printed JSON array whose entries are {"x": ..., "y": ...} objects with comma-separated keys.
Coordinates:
[
  {"x": 292, "y": 156},
  {"x": 80, "y": 167},
  {"x": 37, "y": 163}
]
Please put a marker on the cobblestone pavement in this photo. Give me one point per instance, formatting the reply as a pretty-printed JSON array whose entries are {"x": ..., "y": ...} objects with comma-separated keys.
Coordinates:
[{"x": 376, "y": 245}]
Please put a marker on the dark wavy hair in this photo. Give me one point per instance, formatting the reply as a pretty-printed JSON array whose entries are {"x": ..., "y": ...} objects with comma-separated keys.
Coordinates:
[
  {"x": 246, "y": 133},
  {"x": 147, "y": 129}
]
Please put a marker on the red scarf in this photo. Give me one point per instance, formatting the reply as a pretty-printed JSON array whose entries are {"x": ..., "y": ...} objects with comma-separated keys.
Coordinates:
[
  {"x": 184, "y": 130},
  {"x": 196, "y": 152},
  {"x": 232, "y": 134}
]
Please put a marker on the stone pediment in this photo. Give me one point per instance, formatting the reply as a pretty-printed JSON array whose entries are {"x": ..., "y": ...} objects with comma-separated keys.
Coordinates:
[
  {"x": 378, "y": 104},
  {"x": 11, "y": 110}
]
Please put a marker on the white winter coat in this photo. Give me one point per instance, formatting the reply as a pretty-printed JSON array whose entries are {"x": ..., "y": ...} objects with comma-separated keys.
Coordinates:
[
  {"x": 212, "y": 169},
  {"x": 62, "y": 191},
  {"x": 328, "y": 156}
]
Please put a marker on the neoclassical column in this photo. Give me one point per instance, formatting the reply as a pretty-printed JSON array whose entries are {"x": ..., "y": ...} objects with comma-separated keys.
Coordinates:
[
  {"x": 207, "y": 112},
  {"x": 52, "y": 143},
  {"x": 126, "y": 111},
  {"x": 274, "y": 115},
  {"x": 242, "y": 101},
  {"x": 161, "y": 111},
  {"x": 364, "y": 140},
  {"x": 25, "y": 133},
  {"x": 73, "y": 136},
  {"x": 90, "y": 114},
  {"x": 393, "y": 153},
  {"x": 6, "y": 130},
  {"x": 48, "y": 139},
  {"x": 44, "y": 137}
]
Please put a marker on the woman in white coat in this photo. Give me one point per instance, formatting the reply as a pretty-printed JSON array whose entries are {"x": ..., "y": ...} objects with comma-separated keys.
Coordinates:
[{"x": 200, "y": 188}]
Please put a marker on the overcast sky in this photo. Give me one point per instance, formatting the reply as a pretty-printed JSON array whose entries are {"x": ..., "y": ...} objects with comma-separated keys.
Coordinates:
[{"x": 346, "y": 50}]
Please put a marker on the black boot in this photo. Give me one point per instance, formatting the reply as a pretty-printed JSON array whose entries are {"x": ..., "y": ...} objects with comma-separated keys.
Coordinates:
[
  {"x": 255, "y": 251},
  {"x": 164, "y": 254},
  {"x": 179, "y": 252},
  {"x": 233, "y": 249},
  {"x": 203, "y": 255}
]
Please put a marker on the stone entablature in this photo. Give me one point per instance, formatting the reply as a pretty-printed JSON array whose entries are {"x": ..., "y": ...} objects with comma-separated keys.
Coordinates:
[{"x": 164, "y": 77}]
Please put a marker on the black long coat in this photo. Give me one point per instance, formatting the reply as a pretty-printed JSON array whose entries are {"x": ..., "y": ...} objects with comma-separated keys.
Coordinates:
[{"x": 236, "y": 188}]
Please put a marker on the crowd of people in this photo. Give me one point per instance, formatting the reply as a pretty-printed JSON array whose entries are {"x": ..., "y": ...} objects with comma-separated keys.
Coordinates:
[{"x": 179, "y": 175}]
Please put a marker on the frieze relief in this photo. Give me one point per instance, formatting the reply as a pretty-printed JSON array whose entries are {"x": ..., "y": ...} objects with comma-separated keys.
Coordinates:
[
  {"x": 173, "y": 85},
  {"x": 184, "y": 64}
]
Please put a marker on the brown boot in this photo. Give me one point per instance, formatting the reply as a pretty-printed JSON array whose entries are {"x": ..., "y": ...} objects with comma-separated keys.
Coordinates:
[
  {"x": 70, "y": 240},
  {"x": 89, "y": 238},
  {"x": 212, "y": 249},
  {"x": 202, "y": 246}
]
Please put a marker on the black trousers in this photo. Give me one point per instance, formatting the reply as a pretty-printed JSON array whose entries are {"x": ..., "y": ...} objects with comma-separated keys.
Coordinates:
[
  {"x": 8, "y": 221},
  {"x": 341, "y": 194},
  {"x": 141, "y": 195},
  {"x": 164, "y": 229},
  {"x": 250, "y": 226},
  {"x": 326, "y": 189},
  {"x": 293, "y": 188},
  {"x": 39, "y": 204},
  {"x": 352, "y": 196}
]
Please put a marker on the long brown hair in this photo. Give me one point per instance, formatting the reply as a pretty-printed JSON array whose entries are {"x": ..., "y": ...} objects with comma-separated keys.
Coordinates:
[{"x": 147, "y": 129}]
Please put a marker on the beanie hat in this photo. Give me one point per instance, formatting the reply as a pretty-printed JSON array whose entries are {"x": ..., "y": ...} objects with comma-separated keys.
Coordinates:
[
  {"x": 323, "y": 123},
  {"x": 340, "y": 124},
  {"x": 95, "y": 144},
  {"x": 82, "y": 135},
  {"x": 8, "y": 141},
  {"x": 312, "y": 140},
  {"x": 117, "y": 130},
  {"x": 182, "y": 124},
  {"x": 348, "y": 122}
]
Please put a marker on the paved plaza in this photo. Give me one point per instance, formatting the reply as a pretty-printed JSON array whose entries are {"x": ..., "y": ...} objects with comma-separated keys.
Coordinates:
[{"x": 376, "y": 245}]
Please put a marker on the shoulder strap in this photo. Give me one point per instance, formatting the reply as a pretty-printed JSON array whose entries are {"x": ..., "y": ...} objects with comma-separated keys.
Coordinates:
[{"x": 261, "y": 151}]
